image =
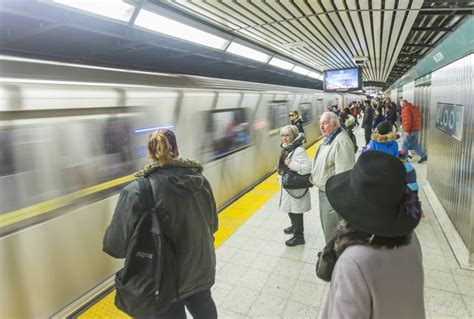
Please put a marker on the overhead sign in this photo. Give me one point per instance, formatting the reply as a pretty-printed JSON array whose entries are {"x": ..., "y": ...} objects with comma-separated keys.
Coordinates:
[{"x": 449, "y": 119}]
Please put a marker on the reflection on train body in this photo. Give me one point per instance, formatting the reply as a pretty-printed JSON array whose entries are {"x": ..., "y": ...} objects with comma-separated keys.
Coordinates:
[
  {"x": 45, "y": 159},
  {"x": 65, "y": 140}
]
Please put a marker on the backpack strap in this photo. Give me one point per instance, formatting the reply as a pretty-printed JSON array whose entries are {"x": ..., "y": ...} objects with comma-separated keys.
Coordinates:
[{"x": 147, "y": 192}]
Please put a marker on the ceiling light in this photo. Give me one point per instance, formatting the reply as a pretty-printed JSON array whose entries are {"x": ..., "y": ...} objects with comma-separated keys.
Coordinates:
[
  {"x": 155, "y": 22},
  {"x": 300, "y": 70},
  {"x": 281, "y": 64},
  {"x": 114, "y": 9},
  {"x": 316, "y": 75},
  {"x": 247, "y": 52}
]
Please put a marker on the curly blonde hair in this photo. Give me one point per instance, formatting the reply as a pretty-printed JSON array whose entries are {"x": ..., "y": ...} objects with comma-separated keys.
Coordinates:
[{"x": 159, "y": 147}]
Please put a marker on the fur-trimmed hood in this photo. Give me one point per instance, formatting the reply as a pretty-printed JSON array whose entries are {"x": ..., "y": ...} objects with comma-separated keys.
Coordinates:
[
  {"x": 385, "y": 138},
  {"x": 179, "y": 162},
  {"x": 182, "y": 176}
]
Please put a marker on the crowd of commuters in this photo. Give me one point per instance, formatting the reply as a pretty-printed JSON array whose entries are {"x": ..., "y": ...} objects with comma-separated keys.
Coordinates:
[{"x": 368, "y": 210}]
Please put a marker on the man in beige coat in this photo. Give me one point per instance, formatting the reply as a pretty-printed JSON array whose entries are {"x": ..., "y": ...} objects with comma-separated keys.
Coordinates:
[{"x": 334, "y": 155}]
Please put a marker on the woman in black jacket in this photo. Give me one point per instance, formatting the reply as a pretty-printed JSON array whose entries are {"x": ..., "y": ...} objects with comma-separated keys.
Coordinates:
[
  {"x": 296, "y": 120},
  {"x": 187, "y": 213}
]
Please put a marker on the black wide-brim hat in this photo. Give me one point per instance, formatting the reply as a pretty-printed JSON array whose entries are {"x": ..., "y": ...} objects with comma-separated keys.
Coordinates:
[{"x": 370, "y": 196}]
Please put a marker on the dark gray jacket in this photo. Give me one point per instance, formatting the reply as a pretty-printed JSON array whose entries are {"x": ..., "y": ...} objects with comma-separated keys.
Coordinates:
[
  {"x": 188, "y": 216},
  {"x": 368, "y": 117}
]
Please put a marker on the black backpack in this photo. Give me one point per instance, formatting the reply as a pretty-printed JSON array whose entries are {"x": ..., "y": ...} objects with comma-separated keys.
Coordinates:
[{"x": 138, "y": 282}]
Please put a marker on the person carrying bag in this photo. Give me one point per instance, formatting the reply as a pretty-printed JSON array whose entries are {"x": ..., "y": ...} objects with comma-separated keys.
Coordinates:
[
  {"x": 165, "y": 232},
  {"x": 294, "y": 166}
]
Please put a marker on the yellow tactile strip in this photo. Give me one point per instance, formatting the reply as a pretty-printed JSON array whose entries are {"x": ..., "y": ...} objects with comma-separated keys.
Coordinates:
[{"x": 230, "y": 219}]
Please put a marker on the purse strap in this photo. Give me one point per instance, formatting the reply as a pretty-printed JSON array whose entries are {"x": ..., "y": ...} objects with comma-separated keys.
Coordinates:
[{"x": 297, "y": 197}]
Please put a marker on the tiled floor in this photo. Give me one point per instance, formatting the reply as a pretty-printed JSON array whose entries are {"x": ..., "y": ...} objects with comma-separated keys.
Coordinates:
[{"x": 259, "y": 277}]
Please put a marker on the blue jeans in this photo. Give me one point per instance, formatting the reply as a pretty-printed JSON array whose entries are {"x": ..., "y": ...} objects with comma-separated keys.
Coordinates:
[
  {"x": 200, "y": 305},
  {"x": 411, "y": 142}
]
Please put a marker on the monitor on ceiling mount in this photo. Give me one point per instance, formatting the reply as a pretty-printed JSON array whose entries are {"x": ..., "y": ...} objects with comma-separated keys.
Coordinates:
[{"x": 342, "y": 80}]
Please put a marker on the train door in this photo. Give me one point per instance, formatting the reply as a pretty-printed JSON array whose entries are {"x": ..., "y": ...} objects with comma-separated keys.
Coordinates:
[{"x": 423, "y": 101}]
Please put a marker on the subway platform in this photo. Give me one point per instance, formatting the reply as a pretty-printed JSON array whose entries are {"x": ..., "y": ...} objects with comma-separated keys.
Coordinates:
[{"x": 258, "y": 276}]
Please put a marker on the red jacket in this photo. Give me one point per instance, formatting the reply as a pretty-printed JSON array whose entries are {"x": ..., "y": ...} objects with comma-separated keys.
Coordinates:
[{"x": 411, "y": 118}]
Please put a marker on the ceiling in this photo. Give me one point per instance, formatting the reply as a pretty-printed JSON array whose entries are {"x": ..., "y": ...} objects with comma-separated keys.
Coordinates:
[{"x": 392, "y": 35}]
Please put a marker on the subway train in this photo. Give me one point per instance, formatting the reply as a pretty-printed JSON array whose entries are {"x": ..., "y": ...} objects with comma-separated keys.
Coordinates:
[{"x": 72, "y": 135}]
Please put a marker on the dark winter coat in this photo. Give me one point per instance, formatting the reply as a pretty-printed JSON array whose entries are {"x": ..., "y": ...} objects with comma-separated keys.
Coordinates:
[
  {"x": 377, "y": 120},
  {"x": 368, "y": 117},
  {"x": 391, "y": 114},
  {"x": 299, "y": 124},
  {"x": 187, "y": 212},
  {"x": 383, "y": 142}
]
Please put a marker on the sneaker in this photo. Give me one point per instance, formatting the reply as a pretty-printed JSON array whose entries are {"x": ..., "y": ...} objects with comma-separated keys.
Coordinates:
[
  {"x": 289, "y": 230},
  {"x": 423, "y": 159},
  {"x": 295, "y": 241}
]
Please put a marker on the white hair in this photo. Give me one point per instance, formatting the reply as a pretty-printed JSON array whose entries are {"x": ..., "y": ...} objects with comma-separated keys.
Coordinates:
[
  {"x": 290, "y": 130},
  {"x": 333, "y": 118}
]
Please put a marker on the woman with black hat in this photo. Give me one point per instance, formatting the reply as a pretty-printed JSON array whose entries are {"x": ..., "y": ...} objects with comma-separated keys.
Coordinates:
[{"x": 374, "y": 262}]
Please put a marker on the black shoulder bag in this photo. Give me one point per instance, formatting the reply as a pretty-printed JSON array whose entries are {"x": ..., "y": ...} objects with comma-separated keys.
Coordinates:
[
  {"x": 292, "y": 180},
  {"x": 138, "y": 282}
]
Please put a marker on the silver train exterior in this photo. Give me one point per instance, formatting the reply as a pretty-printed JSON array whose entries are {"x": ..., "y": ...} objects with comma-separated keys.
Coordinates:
[{"x": 71, "y": 135}]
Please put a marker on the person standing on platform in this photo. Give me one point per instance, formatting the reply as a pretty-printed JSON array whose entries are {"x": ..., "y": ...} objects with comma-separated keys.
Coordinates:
[
  {"x": 374, "y": 262},
  {"x": 334, "y": 155},
  {"x": 411, "y": 125},
  {"x": 367, "y": 121},
  {"x": 296, "y": 120},
  {"x": 294, "y": 202},
  {"x": 383, "y": 140},
  {"x": 187, "y": 212}
]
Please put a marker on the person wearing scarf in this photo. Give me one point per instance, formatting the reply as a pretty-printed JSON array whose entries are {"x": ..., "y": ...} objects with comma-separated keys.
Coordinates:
[{"x": 374, "y": 261}]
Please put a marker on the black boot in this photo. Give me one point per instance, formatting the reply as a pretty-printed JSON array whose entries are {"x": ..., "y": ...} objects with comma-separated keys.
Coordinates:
[
  {"x": 291, "y": 229},
  {"x": 295, "y": 241}
]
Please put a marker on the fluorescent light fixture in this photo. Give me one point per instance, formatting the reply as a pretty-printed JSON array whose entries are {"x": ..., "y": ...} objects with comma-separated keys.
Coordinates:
[
  {"x": 114, "y": 9},
  {"x": 151, "y": 129},
  {"x": 281, "y": 64},
  {"x": 158, "y": 23},
  {"x": 300, "y": 70},
  {"x": 247, "y": 52},
  {"x": 315, "y": 75}
]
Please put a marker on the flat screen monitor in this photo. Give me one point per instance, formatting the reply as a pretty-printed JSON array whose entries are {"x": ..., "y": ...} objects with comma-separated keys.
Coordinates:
[{"x": 342, "y": 80}]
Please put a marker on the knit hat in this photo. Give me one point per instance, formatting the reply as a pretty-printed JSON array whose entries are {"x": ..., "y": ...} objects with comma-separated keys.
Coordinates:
[
  {"x": 171, "y": 139},
  {"x": 384, "y": 127}
]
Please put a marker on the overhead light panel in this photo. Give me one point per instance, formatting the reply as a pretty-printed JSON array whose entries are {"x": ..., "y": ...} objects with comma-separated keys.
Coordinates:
[
  {"x": 247, "y": 52},
  {"x": 281, "y": 63},
  {"x": 315, "y": 75},
  {"x": 155, "y": 22},
  {"x": 114, "y": 9},
  {"x": 300, "y": 70}
]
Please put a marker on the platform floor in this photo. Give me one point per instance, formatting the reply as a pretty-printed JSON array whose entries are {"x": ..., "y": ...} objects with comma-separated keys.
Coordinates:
[{"x": 258, "y": 276}]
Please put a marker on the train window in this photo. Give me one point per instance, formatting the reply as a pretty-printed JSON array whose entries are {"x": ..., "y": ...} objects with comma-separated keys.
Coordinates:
[
  {"x": 227, "y": 131},
  {"x": 7, "y": 165},
  {"x": 306, "y": 113},
  {"x": 278, "y": 115}
]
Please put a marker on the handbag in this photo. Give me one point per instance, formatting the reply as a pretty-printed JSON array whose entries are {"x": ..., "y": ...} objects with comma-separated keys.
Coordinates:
[{"x": 292, "y": 180}]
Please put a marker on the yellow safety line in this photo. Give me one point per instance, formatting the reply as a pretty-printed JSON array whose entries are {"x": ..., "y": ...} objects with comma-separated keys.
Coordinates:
[
  {"x": 47, "y": 206},
  {"x": 230, "y": 219}
]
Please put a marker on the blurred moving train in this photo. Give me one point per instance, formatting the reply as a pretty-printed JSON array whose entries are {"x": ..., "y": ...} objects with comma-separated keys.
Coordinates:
[{"x": 72, "y": 135}]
